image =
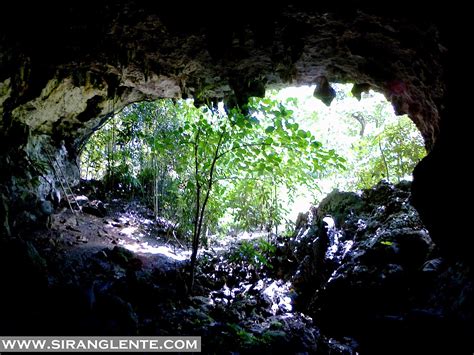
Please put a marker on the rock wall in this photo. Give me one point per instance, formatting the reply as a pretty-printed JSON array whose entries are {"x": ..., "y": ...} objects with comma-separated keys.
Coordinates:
[
  {"x": 64, "y": 68},
  {"x": 372, "y": 272}
]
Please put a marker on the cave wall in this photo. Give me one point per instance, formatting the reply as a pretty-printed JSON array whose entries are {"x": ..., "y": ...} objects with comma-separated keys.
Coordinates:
[{"x": 64, "y": 68}]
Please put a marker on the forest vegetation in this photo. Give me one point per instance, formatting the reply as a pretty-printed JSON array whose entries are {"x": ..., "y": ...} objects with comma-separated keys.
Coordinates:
[{"x": 217, "y": 171}]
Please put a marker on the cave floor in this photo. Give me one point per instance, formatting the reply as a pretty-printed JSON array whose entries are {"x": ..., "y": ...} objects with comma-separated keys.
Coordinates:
[
  {"x": 124, "y": 274},
  {"x": 118, "y": 271},
  {"x": 75, "y": 237}
]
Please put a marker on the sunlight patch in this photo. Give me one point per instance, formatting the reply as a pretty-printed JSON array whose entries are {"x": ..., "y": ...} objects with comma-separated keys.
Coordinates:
[
  {"x": 128, "y": 231},
  {"x": 278, "y": 294},
  {"x": 161, "y": 250}
]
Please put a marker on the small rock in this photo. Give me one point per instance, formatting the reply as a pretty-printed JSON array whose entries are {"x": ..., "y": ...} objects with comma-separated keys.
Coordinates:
[
  {"x": 71, "y": 228},
  {"x": 121, "y": 256},
  {"x": 95, "y": 208},
  {"x": 82, "y": 200},
  {"x": 69, "y": 221},
  {"x": 432, "y": 265},
  {"x": 82, "y": 239}
]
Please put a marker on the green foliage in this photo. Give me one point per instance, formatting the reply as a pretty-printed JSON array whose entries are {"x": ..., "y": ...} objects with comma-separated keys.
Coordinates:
[
  {"x": 391, "y": 154},
  {"x": 267, "y": 248},
  {"x": 273, "y": 154},
  {"x": 257, "y": 254},
  {"x": 247, "y": 339},
  {"x": 194, "y": 165},
  {"x": 376, "y": 143},
  {"x": 201, "y": 167},
  {"x": 251, "y": 203},
  {"x": 259, "y": 161},
  {"x": 244, "y": 337}
]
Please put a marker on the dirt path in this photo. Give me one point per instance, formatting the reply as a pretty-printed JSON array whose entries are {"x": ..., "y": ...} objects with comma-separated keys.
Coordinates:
[{"x": 74, "y": 238}]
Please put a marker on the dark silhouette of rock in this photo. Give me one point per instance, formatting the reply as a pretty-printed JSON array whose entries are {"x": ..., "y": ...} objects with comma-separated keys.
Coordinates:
[{"x": 324, "y": 91}]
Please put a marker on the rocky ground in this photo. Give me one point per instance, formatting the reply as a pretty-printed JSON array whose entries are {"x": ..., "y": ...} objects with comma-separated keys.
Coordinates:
[
  {"x": 371, "y": 272},
  {"x": 359, "y": 275}
]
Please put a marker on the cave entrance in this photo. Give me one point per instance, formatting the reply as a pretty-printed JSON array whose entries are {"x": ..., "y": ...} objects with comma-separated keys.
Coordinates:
[{"x": 256, "y": 170}]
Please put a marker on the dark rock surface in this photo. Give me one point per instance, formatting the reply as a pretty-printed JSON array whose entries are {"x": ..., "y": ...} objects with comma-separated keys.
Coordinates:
[
  {"x": 371, "y": 283},
  {"x": 379, "y": 277}
]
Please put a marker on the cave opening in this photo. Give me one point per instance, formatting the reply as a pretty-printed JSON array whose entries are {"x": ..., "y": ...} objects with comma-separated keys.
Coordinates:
[
  {"x": 136, "y": 153},
  {"x": 287, "y": 269}
]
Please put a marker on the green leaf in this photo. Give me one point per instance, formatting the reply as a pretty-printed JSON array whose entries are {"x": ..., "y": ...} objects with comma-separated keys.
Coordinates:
[
  {"x": 268, "y": 141},
  {"x": 301, "y": 133},
  {"x": 269, "y": 129},
  {"x": 316, "y": 144}
]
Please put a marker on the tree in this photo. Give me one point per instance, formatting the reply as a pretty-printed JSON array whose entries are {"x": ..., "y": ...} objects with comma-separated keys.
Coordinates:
[
  {"x": 266, "y": 143},
  {"x": 391, "y": 154},
  {"x": 203, "y": 157}
]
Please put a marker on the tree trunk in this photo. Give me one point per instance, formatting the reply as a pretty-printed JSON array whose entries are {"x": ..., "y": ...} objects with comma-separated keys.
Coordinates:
[
  {"x": 200, "y": 210},
  {"x": 195, "y": 242}
]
